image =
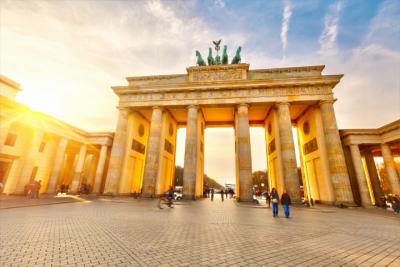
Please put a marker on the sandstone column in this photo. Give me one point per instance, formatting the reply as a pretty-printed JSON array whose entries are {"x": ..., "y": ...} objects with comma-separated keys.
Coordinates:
[
  {"x": 361, "y": 179},
  {"x": 191, "y": 154},
  {"x": 153, "y": 154},
  {"x": 100, "y": 169},
  {"x": 337, "y": 164},
  {"x": 390, "y": 169},
  {"x": 374, "y": 178},
  {"x": 243, "y": 150},
  {"x": 58, "y": 166},
  {"x": 78, "y": 169},
  {"x": 30, "y": 159},
  {"x": 290, "y": 173},
  {"x": 117, "y": 154}
]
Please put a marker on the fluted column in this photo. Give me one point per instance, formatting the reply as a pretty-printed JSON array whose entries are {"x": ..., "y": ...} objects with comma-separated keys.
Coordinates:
[
  {"x": 288, "y": 154},
  {"x": 337, "y": 164},
  {"x": 58, "y": 166},
  {"x": 78, "y": 169},
  {"x": 191, "y": 153},
  {"x": 100, "y": 169},
  {"x": 153, "y": 153},
  {"x": 117, "y": 154},
  {"x": 390, "y": 169},
  {"x": 29, "y": 159},
  {"x": 374, "y": 178},
  {"x": 361, "y": 179},
  {"x": 243, "y": 150}
]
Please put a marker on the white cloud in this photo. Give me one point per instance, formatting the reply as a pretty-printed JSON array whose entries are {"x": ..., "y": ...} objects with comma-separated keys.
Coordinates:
[
  {"x": 220, "y": 3},
  {"x": 287, "y": 13},
  {"x": 327, "y": 40}
]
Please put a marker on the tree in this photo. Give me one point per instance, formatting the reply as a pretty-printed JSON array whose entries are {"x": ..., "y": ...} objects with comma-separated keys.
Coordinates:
[
  {"x": 260, "y": 180},
  {"x": 208, "y": 181}
]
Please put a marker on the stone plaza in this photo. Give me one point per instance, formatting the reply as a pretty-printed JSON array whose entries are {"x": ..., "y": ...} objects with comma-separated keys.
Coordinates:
[{"x": 135, "y": 232}]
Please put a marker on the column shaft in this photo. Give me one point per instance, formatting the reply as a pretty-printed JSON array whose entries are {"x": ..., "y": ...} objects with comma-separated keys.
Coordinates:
[
  {"x": 360, "y": 175},
  {"x": 243, "y": 151},
  {"x": 58, "y": 166},
  {"x": 117, "y": 154},
  {"x": 337, "y": 164},
  {"x": 288, "y": 154},
  {"x": 29, "y": 160},
  {"x": 191, "y": 154},
  {"x": 78, "y": 169},
  {"x": 374, "y": 178},
  {"x": 152, "y": 154},
  {"x": 390, "y": 169},
  {"x": 100, "y": 169}
]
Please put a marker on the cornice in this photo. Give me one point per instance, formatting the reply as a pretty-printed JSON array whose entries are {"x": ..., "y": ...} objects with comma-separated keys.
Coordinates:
[
  {"x": 377, "y": 131},
  {"x": 328, "y": 80},
  {"x": 319, "y": 68},
  {"x": 154, "y": 77}
]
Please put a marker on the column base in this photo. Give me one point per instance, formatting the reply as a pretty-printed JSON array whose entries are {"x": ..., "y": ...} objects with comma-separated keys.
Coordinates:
[
  {"x": 342, "y": 204},
  {"x": 189, "y": 197}
]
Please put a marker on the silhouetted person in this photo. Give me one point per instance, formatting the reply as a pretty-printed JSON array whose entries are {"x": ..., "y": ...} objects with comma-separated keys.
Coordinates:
[
  {"x": 222, "y": 195},
  {"x": 268, "y": 199},
  {"x": 226, "y": 193},
  {"x": 212, "y": 194},
  {"x": 286, "y": 202}
]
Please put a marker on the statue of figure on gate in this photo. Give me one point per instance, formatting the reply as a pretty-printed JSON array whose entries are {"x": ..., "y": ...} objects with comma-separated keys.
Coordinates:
[
  {"x": 236, "y": 59},
  {"x": 200, "y": 60},
  {"x": 210, "y": 58},
  {"x": 225, "y": 55}
]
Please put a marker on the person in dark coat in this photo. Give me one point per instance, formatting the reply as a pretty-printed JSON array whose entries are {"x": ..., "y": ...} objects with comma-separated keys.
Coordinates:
[
  {"x": 212, "y": 194},
  {"x": 286, "y": 202},
  {"x": 275, "y": 202},
  {"x": 222, "y": 195},
  {"x": 268, "y": 199}
]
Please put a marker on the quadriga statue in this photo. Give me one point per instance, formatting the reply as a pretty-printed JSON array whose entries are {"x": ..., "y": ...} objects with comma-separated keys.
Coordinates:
[
  {"x": 236, "y": 59},
  {"x": 200, "y": 60}
]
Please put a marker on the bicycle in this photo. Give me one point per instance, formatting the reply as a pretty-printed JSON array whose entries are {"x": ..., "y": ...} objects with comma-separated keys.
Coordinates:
[{"x": 165, "y": 202}]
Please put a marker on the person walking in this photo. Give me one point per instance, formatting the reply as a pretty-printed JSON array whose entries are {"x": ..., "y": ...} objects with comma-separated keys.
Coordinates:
[
  {"x": 226, "y": 193},
  {"x": 222, "y": 195},
  {"x": 286, "y": 202},
  {"x": 275, "y": 202},
  {"x": 268, "y": 199},
  {"x": 212, "y": 194}
]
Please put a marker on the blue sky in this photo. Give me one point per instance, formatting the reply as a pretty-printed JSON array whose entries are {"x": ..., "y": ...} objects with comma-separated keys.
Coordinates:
[{"x": 65, "y": 54}]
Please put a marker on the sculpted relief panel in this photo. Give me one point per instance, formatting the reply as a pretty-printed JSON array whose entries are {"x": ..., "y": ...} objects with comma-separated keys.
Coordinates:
[{"x": 205, "y": 76}]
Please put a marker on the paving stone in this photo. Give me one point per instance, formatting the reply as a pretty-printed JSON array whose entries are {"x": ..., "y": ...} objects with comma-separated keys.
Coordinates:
[{"x": 111, "y": 232}]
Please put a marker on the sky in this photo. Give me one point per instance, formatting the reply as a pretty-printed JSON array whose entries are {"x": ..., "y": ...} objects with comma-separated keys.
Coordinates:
[{"x": 67, "y": 54}]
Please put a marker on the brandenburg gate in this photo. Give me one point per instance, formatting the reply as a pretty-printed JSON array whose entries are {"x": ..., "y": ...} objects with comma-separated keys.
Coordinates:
[{"x": 152, "y": 108}]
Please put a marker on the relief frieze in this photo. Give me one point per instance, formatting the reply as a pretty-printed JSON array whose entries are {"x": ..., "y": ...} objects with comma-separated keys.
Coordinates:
[
  {"x": 227, "y": 93},
  {"x": 213, "y": 76}
]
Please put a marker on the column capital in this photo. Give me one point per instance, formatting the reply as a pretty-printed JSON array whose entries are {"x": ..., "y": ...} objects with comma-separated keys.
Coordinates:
[
  {"x": 286, "y": 103},
  {"x": 192, "y": 106},
  {"x": 243, "y": 105},
  {"x": 327, "y": 101},
  {"x": 157, "y": 107}
]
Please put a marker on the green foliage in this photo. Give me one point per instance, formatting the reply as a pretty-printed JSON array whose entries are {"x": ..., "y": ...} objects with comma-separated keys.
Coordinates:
[
  {"x": 208, "y": 182},
  {"x": 259, "y": 178}
]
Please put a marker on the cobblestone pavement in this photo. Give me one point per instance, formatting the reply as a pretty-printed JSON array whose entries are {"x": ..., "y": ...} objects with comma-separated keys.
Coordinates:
[{"x": 128, "y": 232}]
